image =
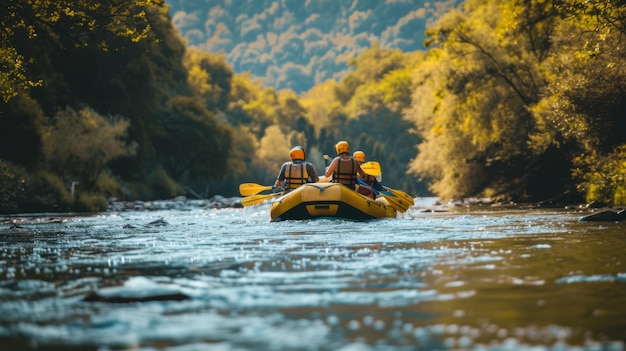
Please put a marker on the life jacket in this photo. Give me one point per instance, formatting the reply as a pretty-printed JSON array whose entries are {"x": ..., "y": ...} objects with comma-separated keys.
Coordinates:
[
  {"x": 296, "y": 174},
  {"x": 369, "y": 179},
  {"x": 345, "y": 173}
]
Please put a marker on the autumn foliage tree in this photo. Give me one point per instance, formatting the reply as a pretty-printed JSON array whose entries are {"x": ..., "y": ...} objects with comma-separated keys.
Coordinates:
[
  {"x": 192, "y": 143},
  {"x": 78, "y": 145},
  {"x": 76, "y": 23},
  {"x": 68, "y": 65},
  {"x": 366, "y": 108},
  {"x": 585, "y": 96},
  {"x": 470, "y": 104},
  {"x": 514, "y": 93}
]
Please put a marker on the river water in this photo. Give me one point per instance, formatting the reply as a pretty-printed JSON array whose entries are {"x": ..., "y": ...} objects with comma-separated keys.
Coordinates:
[{"x": 228, "y": 279}]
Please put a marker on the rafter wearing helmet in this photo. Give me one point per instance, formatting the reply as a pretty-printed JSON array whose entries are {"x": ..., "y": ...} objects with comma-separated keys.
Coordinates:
[
  {"x": 296, "y": 172},
  {"x": 372, "y": 181},
  {"x": 344, "y": 169}
]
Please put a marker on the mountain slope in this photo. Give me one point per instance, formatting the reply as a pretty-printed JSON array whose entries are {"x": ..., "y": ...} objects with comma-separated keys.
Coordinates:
[{"x": 296, "y": 44}]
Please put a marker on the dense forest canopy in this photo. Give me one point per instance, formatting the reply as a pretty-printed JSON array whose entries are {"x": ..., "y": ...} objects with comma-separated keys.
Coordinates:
[
  {"x": 297, "y": 44},
  {"x": 524, "y": 99},
  {"x": 514, "y": 100},
  {"x": 96, "y": 99}
]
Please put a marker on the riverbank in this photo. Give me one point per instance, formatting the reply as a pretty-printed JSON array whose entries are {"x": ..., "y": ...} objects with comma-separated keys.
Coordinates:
[{"x": 180, "y": 203}]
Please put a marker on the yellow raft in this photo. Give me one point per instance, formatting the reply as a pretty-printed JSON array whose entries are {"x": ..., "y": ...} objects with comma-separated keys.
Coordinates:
[{"x": 317, "y": 200}]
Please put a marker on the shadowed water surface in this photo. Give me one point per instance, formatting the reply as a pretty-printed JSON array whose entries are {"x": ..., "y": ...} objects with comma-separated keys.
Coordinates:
[{"x": 228, "y": 279}]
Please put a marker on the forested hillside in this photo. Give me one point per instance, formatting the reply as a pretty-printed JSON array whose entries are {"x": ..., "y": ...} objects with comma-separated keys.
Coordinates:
[
  {"x": 513, "y": 100},
  {"x": 96, "y": 102},
  {"x": 524, "y": 100},
  {"x": 297, "y": 44}
]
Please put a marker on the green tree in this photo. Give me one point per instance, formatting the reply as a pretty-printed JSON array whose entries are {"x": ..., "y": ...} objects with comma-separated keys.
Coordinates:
[
  {"x": 210, "y": 77},
  {"x": 473, "y": 98},
  {"x": 321, "y": 104},
  {"x": 63, "y": 22},
  {"x": 603, "y": 176},
  {"x": 273, "y": 149},
  {"x": 193, "y": 145},
  {"x": 78, "y": 145},
  {"x": 118, "y": 58},
  {"x": 242, "y": 166},
  {"x": 290, "y": 110},
  {"x": 21, "y": 125},
  {"x": 372, "y": 65},
  {"x": 585, "y": 96},
  {"x": 13, "y": 75},
  {"x": 366, "y": 109}
]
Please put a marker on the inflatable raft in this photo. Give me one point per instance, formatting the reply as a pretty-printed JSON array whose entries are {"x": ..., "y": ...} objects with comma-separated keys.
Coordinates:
[{"x": 318, "y": 200}]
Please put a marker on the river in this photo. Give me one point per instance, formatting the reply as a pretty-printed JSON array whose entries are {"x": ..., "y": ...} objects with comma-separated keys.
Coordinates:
[{"x": 229, "y": 279}]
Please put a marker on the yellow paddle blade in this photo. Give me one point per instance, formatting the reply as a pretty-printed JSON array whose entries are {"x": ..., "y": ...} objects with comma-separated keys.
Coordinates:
[
  {"x": 372, "y": 168},
  {"x": 246, "y": 189},
  {"x": 402, "y": 195},
  {"x": 256, "y": 199},
  {"x": 396, "y": 203}
]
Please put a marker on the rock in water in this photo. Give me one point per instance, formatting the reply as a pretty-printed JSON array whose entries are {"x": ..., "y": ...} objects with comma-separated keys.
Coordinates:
[
  {"x": 605, "y": 216},
  {"x": 137, "y": 289}
]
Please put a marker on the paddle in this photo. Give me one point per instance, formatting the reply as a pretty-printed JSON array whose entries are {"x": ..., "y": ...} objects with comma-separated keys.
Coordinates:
[
  {"x": 395, "y": 202},
  {"x": 401, "y": 194},
  {"x": 256, "y": 199},
  {"x": 246, "y": 189},
  {"x": 373, "y": 168}
]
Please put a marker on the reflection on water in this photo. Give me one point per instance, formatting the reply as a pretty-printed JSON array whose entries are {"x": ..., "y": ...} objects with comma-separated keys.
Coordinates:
[{"x": 461, "y": 280}]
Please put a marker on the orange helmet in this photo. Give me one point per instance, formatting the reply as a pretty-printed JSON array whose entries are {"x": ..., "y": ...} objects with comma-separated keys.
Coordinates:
[
  {"x": 297, "y": 153},
  {"x": 359, "y": 156},
  {"x": 342, "y": 147}
]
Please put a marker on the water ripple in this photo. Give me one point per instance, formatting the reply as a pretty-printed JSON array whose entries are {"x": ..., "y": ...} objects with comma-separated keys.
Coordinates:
[{"x": 229, "y": 279}]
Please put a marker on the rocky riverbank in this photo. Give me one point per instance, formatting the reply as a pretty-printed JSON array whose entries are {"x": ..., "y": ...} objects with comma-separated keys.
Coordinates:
[{"x": 179, "y": 203}]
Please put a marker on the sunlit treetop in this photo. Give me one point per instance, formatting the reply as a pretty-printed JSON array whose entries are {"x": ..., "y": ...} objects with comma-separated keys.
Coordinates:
[
  {"x": 66, "y": 22},
  {"x": 77, "y": 19}
]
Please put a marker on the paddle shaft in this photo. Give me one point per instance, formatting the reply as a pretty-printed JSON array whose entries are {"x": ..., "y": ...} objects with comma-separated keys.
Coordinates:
[
  {"x": 256, "y": 199},
  {"x": 397, "y": 203}
]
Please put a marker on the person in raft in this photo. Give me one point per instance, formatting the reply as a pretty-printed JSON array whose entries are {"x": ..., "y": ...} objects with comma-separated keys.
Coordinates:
[
  {"x": 344, "y": 169},
  {"x": 295, "y": 172},
  {"x": 372, "y": 181}
]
